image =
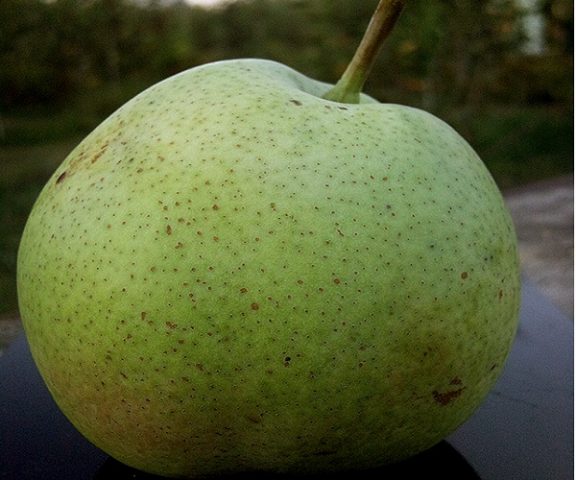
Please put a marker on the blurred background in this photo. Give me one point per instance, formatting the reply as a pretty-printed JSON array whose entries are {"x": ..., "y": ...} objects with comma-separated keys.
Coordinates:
[{"x": 499, "y": 71}]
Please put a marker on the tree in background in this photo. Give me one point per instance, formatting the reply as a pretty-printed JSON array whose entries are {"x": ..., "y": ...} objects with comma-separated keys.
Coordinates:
[
  {"x": 443, "y": 54},
  {"x": 559, "y": 16}
]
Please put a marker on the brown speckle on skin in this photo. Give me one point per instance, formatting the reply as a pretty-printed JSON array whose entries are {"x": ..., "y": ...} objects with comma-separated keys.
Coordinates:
[
  {"x": 171, "y": 325},
  {"x": 168, "y": 229},
  {"x": 296, "y": 102},
  {"x": 444, "y": 398},
  {"x": 61, "y": 177},
  {"x": 456, "y": 381},
  {"x": 99, "y": 154},
  {"x": 464, "y": 275},
  {"x": 254, "y": 306},
  {"x": 253, "y": 418},
  {"x": 337, "y": 281}
]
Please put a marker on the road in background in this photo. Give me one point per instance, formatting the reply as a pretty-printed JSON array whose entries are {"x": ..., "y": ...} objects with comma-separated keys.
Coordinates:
[{"x": 543, "y": 214}]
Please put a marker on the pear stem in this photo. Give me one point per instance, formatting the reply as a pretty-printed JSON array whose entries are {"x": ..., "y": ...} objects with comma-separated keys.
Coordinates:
[{"x": 348, "y": 88}]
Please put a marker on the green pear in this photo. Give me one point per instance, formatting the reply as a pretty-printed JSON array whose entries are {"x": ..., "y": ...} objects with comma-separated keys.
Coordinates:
[{"x": 236, "y": 272}]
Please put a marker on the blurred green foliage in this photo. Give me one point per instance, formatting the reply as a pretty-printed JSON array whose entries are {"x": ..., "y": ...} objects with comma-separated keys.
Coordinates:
[
  {"x": 442, "y": 52},
  {"x": 66, "y": 64}
]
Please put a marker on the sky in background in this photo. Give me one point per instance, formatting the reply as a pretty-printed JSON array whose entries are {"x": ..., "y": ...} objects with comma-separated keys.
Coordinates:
[{"x": 204, "y": 2}]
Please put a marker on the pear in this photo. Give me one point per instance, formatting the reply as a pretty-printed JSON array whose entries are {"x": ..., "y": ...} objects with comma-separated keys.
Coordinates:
[{"x": 246, "y": 269}]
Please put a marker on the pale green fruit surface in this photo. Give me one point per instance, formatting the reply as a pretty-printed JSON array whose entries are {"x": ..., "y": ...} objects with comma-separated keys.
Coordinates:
[{"x": 231, "y": 273}]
